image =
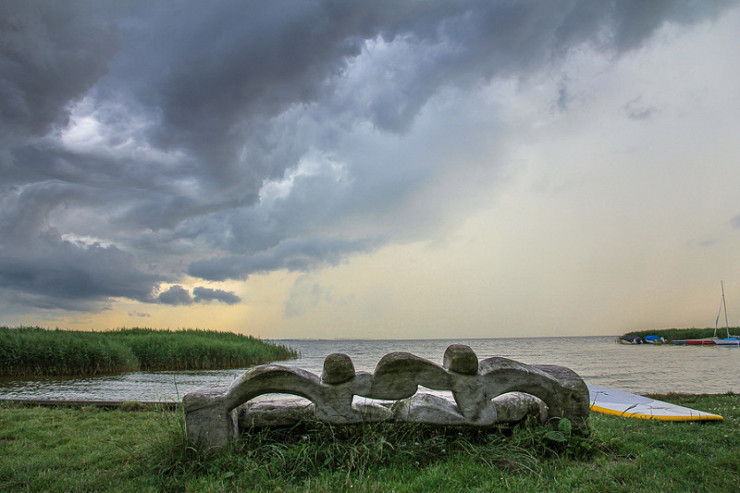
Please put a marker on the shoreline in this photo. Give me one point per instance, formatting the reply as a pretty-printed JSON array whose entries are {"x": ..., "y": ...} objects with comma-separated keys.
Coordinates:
[
  {"x": 131, "y": 405},
  {"x": 172, "y": 405}
]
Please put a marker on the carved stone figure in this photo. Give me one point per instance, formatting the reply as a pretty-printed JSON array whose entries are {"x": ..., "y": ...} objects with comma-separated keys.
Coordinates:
[{"x": 485, "y": 393}]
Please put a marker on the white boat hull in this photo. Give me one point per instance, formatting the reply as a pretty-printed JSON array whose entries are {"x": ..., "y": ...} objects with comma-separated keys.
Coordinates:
[
  {"x": 732, "y": 341},
  {"x": 619, "y": 403}
]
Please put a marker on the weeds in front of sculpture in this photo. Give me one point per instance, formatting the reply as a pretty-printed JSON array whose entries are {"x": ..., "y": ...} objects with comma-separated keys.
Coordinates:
[{"x": 318, "y": 449}]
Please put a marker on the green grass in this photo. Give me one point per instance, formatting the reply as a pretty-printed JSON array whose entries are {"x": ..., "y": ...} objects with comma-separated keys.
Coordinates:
[
  {"x": 681, "y": 334},
  {"x": 32, "y": 351},
  {"x": 88, "y": 449}
]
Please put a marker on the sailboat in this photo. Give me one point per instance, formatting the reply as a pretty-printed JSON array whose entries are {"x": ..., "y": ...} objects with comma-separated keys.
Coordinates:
[{"x": 729, "y": 340}]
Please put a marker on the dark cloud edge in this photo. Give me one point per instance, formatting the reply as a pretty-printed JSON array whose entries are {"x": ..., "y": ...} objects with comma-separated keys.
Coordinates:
[{"x": 178, "y": 296}]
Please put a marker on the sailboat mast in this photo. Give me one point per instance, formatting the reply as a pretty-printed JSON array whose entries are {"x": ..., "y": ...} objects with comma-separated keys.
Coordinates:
[{"x": 727, "y": 325}]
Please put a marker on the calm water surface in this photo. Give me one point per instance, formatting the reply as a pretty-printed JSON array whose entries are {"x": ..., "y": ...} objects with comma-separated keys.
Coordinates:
[{"x": 599, "y": 361}]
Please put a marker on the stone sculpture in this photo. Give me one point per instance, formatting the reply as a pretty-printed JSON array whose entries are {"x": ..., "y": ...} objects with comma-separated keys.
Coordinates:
[{"x": 485, "y": 393}]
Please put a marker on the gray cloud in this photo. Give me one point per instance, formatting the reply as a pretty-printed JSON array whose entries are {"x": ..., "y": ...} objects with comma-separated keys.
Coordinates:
[
  {"x": 60, "y": 274},
  {"x": 294, "y": 255},
  {"x": 39, "y": 267},
  {"x": 637, "y": 110},
  {"x": 140, "y": 140},
  {"x": 51, "y": 54},
  {"x": 204, "y": 295},
  {"x": 177, "y": 295}
]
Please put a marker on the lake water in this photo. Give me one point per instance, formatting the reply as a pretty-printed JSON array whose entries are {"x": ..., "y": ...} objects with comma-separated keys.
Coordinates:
[{"x": 598, "y": 360}]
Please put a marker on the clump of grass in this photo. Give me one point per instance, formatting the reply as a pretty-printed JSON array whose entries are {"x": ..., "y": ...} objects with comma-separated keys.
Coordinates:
[
  {"x": 346, "y": 454},
  {"x": 33, "y": 351},
  {"x": 36, "y": 351},
  {"x": 199, "y": 349}
]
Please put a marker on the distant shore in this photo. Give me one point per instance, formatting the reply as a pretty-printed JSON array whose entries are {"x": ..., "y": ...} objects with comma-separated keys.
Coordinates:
[{"x": 683, "y": 334}]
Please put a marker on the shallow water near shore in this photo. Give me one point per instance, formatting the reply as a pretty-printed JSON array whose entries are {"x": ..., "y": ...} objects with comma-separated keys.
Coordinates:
[{"x": 598, "y": 360}]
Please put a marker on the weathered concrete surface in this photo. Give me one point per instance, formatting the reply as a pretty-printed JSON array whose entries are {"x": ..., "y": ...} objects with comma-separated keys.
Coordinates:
[
  {"x": 338, "y": 368},
  {"x": 209, "y": 422},
  {"x": 495, "y": 390},
  {"x": 286, "y": 412},
  {"x": 515, "y": 406},
  {"x": 429, "y": 409},
  {"x": 460, "y": 359}
]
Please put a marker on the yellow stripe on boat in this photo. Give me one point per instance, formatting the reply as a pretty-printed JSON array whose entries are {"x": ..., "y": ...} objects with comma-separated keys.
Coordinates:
[{"x": 625, "y": 414}]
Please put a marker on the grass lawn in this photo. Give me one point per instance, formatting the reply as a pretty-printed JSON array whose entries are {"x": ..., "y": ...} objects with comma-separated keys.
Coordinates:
[{"x": 86, "y": 449}]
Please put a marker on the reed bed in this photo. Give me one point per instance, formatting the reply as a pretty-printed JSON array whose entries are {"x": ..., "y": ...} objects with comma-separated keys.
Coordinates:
[{"x": 34, "y": 351}]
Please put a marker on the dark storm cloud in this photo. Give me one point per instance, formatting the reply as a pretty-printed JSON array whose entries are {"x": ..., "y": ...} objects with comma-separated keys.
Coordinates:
[
  {"x": 140, "y": 137},
  {"x": 50, "y": 54},
  {"x": 204, "y": 295},
  {"x": 59, "y": 274},
  {"x": 177, "y": 295},
  {"x": 293, "y": 255}
]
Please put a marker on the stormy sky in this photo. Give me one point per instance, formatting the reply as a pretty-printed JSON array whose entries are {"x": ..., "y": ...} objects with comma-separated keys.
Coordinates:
[{"x": 369, "y": 168}]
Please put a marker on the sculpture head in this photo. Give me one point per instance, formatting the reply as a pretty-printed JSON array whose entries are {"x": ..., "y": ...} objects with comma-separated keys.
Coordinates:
[
  {"x": 460, "y": 359},
  {"x": 338, "y": 368}
]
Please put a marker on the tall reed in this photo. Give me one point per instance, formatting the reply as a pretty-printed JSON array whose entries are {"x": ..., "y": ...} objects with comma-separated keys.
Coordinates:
[{"x": 32, "y": 351}]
